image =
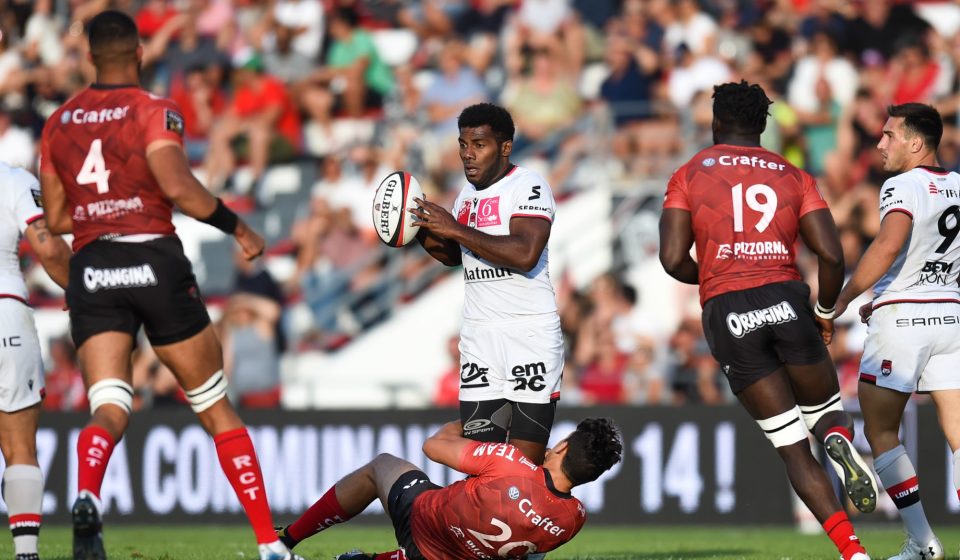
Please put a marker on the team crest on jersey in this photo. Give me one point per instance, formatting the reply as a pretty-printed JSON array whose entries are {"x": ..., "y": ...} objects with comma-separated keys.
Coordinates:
[
  {"x": 709, "y": 162},
  {"x": 886, "y": 367},
  {"x": 724, "y": 251},
  {"x": 37, "y": 197},
  {"x": 488, "y": 212},
  {"x": 463, "y": 216},
  {"x": 173, "y": 121}
]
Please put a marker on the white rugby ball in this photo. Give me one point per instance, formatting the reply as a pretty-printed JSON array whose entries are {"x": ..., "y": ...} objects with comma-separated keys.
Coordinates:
[{"x": 393, "y": 198}]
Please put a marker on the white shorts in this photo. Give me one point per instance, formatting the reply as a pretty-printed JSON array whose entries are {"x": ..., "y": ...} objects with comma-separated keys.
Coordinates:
[
  {"x": 21, "y": 369},
  {"x": 520, "y": 360},
  {"x": 913, "y": 347}
]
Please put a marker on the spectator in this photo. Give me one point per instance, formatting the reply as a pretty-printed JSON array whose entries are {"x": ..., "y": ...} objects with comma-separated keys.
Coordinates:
[
  {"x": 251, "y": 350},
  {"x": 16, "y": 144},
  {"x": 201, "y": 103},
  {"x": 64, "y": 382},
  {"x": 691, "y": 27},
  {"x": 261, "y": 124},
  {"x": 601, "y": 381},
  {"x": 643, "y": 378},
  {"x": 447, "y": 394},
  {"x": 823, "y": 63},
  {"x": 354, "y": 67}
]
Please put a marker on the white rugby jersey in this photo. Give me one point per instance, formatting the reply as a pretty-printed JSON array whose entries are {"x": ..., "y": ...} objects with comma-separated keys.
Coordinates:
[
  {"x": 928, "y": 265},
  {"x": 494, "y": 293},
  {"x": 19, "y": 207}
]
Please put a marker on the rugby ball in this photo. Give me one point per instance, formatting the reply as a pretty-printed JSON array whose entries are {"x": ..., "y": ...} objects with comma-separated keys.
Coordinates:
[{"x": 393, "y": 198}]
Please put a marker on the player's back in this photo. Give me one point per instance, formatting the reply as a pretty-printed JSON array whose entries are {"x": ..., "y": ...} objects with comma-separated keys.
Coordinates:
[
  {"x": 928, "y": 266},
  {"x": 508, "y": 510},
  {"x": 745, "y": 204},
  {"x": 96, "y": 144}
]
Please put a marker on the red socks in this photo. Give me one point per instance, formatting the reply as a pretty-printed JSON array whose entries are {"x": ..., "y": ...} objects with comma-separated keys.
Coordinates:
[
  {"x": 839, "y": 430},
  {"x": 238, "y": 460},
  {"x": 840, "y": 531},
  {"x": 325, "y": 513},
  {"x": 94, "y": 447}
]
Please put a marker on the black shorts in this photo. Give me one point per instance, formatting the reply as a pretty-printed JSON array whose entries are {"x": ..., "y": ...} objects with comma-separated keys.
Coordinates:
[
  {"x": 119, "y": 286},
  {"x": 400, "y": 507},
  {"x": 754, "y": 332}
]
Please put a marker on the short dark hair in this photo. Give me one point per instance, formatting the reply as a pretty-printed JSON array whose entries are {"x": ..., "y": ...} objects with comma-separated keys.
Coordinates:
[
  {"x": 498, "y": 118},
  {"x": 113, "y": 37},
  {"x": 347, "y": 15},
  {"x": 741, "y": 107},
  {"x": 592, "y": 449},
  {"x": 920, "y": 119}
]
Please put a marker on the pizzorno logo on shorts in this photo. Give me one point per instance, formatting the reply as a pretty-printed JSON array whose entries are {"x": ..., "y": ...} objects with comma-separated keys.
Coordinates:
[
  {"x": 125, "y": 277},
  {"x": 742, "y": 323}
]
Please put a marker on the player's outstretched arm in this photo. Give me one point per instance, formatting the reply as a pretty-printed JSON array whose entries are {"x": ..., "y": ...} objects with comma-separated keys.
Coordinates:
[
  {"x": 819, "y": 233},
  {"x": 447, "y": 445},
  {"x": 52, "y": 250},
  {"x": 519, "y": 250},
  {"x": 56, "y": 215},
  {"x": 170, "y": 168},
  {"x": 876, "y": 261},
  {"x": 676, "y": 239}
]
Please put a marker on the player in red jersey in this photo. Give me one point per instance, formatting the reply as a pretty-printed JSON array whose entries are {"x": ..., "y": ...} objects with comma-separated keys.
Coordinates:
[
  {"x": 508, "y": 508},
  {"x": 112, "y": 168},
  {"x": 744, "y": 206}
]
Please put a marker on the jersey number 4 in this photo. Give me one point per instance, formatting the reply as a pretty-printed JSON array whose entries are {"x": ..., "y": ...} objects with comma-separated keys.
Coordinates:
[
  {"x": 768, "y": 207},
  {"x": 94, "y": 169}
]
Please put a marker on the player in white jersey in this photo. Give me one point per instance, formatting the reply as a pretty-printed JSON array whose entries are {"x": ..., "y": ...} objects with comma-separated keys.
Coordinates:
[
  {"x": 912, "y": 343},
  {"x": 510, "y": 343},
  {"x": 21, "y": 371}
]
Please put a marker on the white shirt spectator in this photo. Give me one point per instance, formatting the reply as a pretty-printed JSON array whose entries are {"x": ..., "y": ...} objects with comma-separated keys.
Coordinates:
[
  {"x": 695, "y": 33},
  {"x": 16, "y": 147},
  {"x": 307, "y": 14},
  {"x": 544, "y": 16},
  {"x": 687, "y": 81},
  {"x": 838, "y": 72}
]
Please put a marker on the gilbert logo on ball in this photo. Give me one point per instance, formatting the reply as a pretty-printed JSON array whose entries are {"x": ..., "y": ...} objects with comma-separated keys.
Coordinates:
[{"x": 391, "y": 202}]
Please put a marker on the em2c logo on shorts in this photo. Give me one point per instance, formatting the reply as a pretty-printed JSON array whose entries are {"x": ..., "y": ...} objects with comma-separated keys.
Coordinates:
[
  {"x": 529, "y": 376},
  {"x": 473, "y": 376}
]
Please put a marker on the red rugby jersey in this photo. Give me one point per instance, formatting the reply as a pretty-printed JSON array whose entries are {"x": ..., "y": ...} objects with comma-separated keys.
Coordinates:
[
  {"x": 96, "y": 143},
  {"x": 745, "y": 204},
  {"x": 507, "y": 510}
]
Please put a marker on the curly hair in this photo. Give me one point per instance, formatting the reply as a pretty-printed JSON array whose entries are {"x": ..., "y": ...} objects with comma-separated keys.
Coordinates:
[
  {"x": 920, "y": 119},
  {"x": 592, "y": 449},
  {"x": 498, "y": 118},
  {"x": 741, "y": 108}
]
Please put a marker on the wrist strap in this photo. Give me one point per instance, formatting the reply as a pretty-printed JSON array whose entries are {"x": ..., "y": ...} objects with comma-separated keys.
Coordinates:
[
  {"x": 823, "y": 312},
  {"x": 222, "y": 218}
]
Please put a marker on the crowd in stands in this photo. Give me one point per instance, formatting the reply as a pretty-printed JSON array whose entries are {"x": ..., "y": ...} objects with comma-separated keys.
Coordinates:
[{"x": 611, "y": 91}]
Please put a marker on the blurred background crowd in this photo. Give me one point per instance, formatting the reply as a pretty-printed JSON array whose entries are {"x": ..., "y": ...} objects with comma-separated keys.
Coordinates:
[{"x": 295, "y": 109}]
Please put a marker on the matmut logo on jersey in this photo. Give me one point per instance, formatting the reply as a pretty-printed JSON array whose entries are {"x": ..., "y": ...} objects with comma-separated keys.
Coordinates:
[
  {"x": 748, "y": 250},
  {"x": 82, "y": 116}
]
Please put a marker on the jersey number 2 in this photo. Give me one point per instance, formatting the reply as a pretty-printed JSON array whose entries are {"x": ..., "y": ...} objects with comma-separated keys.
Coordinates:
[
  {"x": 505, "y": 533},
  {"x": 94, "y": 169},
  {"x": 768, "y": 207}
]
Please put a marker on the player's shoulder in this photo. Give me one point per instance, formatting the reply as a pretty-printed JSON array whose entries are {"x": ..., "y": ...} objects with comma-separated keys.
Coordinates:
[
  {"x": 521, "y": 177},
  {"x": 16, "y": 176},
  {"x": 908, "y": 179}
]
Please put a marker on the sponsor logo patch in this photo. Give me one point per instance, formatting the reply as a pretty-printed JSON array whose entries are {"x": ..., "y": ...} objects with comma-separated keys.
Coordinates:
[
  {"x": 173, "y": 121},
  {"x": 125, "y": 277},
  {"x": 513, "y": 493},
  {"x": 709, "y": 162},
  {"x": 886, "y": 367},
  {"x": 741, "y": 324},
  {"x": 488, "y": 212},
  {"x": 473, "y": 376},
  {"x": 529, "y": 377}
]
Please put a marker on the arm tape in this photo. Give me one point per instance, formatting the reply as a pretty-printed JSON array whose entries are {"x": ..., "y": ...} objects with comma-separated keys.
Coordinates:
[{"x": 222, "y": 218}]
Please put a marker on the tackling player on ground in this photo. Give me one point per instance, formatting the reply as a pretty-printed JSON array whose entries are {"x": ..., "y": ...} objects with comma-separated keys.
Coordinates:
[
  {"x": 744, "y": 206},
  {"x": 508, "y": 508},
  {"x": 112, "y": 168},
  {"x": 21, "y": 371},
  {"x": 912, "y": 344},
  {"x": 511, "y": 346}
]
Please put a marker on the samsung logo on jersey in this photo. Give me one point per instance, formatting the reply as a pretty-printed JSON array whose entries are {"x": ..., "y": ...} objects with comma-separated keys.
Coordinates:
[
  {"x": 742, "y": 323},
  {"x": 127, "y": 277},
  {"x": 752, "y": 161},
  {"x": 79, "y": 116}
]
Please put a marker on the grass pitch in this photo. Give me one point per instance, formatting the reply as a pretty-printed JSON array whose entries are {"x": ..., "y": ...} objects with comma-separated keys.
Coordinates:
[{"x": 653, "y": 543}]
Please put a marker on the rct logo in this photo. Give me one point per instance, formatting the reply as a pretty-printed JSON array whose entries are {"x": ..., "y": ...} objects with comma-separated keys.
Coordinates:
[
  {"x": 473, "y": 376},
  {"x": 529, "y": 376}
]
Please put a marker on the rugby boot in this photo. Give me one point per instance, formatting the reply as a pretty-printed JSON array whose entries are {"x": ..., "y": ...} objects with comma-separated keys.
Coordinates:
[
  {"x": 286, "y": 539},
  {"x": 87, "y": 530},
  {"x": 857, "y": 478},
  {"x": 858, "y": 556},
  {"x": 912, "y": 550},
  {"x": 28, "y": 556},
  {"x": 355, "y": 555},
  {"x": 277, "y": 551}
]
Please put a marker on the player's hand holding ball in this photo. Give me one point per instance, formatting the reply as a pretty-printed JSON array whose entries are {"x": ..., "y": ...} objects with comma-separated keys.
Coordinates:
[
  {"x": 433, "y": 217},
  {"x": 394, "y": 197}
]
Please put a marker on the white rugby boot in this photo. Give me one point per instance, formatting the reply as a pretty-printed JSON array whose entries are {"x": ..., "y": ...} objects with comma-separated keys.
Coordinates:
[
  {"x": 277, "y": 551},
  {"x": 912, "y": 550},
  {"x": 858, "y": 556}
]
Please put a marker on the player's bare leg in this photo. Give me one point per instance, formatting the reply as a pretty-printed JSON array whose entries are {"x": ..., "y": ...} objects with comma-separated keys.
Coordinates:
[
  {"x": 533, "y": 450},
  {"x": 817, "y": 392},
  {"x": 22, "y": 479},
  {"x": 882, "y": 413},
  {"x": 105, "y": 362},
  {"x": 348, "y": 497},
  {"x": 197, "y": 363},
  {"x": 770, "y": 401}
]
